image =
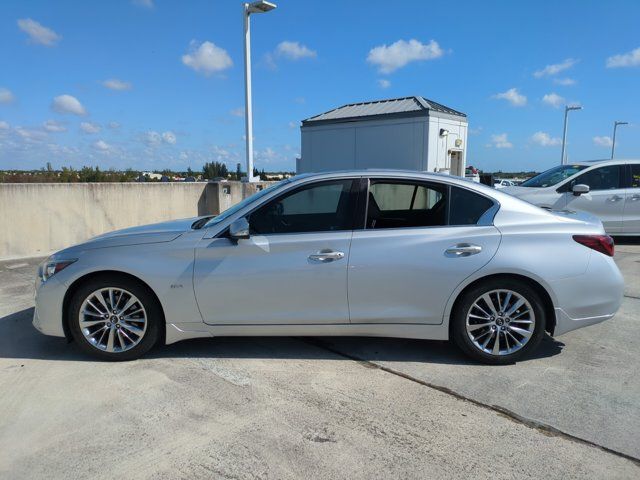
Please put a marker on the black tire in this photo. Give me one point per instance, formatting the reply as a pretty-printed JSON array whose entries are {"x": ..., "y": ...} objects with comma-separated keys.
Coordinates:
[
  {"x": 151, "y": 306},
  {"x": 464, "y": 304}
]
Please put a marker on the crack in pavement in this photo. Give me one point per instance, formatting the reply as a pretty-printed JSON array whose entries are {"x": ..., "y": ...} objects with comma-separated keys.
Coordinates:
[{"x": 513, "y": 416}]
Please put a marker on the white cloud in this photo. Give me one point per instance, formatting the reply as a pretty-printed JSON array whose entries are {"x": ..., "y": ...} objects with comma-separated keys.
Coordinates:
[
  {"x": 115, "y": 84},
  {"x": 554, "y": 100},
  {"x": 565, "y": 82},
  {"x": 629, "y": 59},
  {"x": 206, "y": 58},
  {"x": 475, "y": 131},
  {"x": 31, "y": 135},
  {"x": 101, "y": 145},
  {"x": 169, "y": 137},
  {"x": 90, "y": 128},
  {"x": 113, "y": 125},
  {"x": 38, "y": 33},
  {"x": 294, "y": 51},
  {"x": 556, "y": 68},
  {"x": 512, "y": 96},
  {"x": 603, "y": 141},
  {"x": 293, "y": 125},
  {"x": 144, "y": 3},
  {"x": 500, "y": 141},
  {"x": 4, "y": 125},
  {"x": 384, "y": 83},
  {"x": 389, "y": 58},
  {"x": 53, "y": 126},
  {"x": 68, "y": 104},
  {"x": 6, "y": 96},
  {"x": 238, "y": 112},
  {"x": 300, "y": 100},
  {"x": 545, "y": 140},
  {"x": 153, "y": 138}
]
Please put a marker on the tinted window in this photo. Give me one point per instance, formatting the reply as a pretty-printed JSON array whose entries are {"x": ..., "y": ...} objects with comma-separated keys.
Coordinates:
[
  {"x": 319, "y": 207},
  {"x": 467, "y": 207},
  {"x": 553, "y": 176},
  {"x": 635, "y": 176},
  {"x": 401, "y": 205},
  {"x": 603, "y": 178}
]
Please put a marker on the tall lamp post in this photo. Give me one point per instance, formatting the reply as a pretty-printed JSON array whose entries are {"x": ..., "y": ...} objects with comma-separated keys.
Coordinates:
[
  {"x": 247, "y": 9},
  {"x": 567, "y": 109},
  {"x": 613, "y": 144}
]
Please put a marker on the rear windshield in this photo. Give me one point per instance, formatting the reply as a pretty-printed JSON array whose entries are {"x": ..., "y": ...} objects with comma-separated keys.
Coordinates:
[{"x": 553, "y": 176}]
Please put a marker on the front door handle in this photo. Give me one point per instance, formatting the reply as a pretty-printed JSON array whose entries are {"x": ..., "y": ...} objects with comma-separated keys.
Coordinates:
[
  {"x": 326, "y": 256},
  {"x": 635, "y": 196},
  {"x": 463, "y": 250},
  {"x": 616, "y": 198}
]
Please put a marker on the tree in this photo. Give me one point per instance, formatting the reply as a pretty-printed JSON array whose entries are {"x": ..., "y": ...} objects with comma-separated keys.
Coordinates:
[{"x": 212, "y": 170}]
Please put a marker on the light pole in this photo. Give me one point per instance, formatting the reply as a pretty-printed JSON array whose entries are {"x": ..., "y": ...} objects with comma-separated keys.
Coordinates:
[
  {"x": 567, "y": 109},
  {"x": 247, "y": 9},
  {"x": 613, "y": 144}
]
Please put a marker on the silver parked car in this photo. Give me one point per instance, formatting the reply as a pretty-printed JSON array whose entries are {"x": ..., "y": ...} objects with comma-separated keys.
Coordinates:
[
  {"x": 609, "y": 189},
  {"x": 367, "y": 253}
]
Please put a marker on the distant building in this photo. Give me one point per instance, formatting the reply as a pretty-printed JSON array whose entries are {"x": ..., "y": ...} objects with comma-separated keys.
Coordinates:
[{"x": 411, "y": 133}]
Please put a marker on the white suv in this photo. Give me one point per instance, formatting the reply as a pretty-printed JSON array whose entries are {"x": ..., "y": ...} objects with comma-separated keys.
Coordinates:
[{"x": 609, "y": 189}]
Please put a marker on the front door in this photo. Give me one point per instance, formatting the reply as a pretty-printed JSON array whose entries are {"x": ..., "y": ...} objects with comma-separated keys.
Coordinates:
[
  {"x": 606, "y": 197},
  {"x": 631, "y": 222},
  {"x": 414, "y": 251},
  {"x": 292, "y": 269}
]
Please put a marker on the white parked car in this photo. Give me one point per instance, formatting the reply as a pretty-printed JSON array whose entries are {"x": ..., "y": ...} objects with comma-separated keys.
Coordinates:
[
  {"x": 366, "y": 253},
  {"x": 503, "y": 183},
  {"x": 609, "y": 189}
]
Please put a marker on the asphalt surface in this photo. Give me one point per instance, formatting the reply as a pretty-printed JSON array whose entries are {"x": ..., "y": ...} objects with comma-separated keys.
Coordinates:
[{"x": 319, "y": 407}]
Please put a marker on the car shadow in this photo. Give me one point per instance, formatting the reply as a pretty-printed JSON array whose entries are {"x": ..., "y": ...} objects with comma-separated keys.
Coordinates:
[
  {"x": 20, "y": 340},
  {"x": 626, "y": 240}
]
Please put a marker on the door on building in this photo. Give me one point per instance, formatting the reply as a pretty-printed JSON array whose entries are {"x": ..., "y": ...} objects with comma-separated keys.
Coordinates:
[{"x": 455, "y": 159}]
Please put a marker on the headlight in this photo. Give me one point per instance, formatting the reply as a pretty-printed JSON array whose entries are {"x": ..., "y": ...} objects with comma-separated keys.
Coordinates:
[{"x": 51, "y": 266}]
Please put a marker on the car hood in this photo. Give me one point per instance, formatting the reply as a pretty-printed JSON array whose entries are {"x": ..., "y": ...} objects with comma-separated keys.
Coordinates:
[{"x": 144, "y": 234}]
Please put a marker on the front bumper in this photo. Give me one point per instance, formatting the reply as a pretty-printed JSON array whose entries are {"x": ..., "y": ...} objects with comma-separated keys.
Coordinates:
[{"x": 47, "y": 315}]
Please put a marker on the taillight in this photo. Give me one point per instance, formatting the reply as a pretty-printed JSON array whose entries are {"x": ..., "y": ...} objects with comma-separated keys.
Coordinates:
[{"x": 601, "y": 243}]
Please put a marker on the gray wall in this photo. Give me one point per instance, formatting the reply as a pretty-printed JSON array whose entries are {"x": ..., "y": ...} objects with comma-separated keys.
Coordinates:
[{"x": 39, "y": 218}]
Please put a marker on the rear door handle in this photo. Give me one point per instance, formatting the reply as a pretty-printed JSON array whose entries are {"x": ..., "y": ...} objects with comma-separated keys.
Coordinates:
[
  {"x": 616, "y": 198},
  {"x": 635, "y": 196},
  {"x": 463, "y": 250},
  {"x": 326, "y": 256}
]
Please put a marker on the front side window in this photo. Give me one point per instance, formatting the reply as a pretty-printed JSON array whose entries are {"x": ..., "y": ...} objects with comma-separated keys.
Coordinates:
[
  {"x": 553, "y": 176},
  {"x": 401, "y": 205},
  {"x": 603, "y": 178},
  {"x": 321, "y": 207}
]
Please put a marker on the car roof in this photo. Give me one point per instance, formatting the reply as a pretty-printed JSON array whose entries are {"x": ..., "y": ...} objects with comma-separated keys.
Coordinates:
[{"x": 606, "y": 161}]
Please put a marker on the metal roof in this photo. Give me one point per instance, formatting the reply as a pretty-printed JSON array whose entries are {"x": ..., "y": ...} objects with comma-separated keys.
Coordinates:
[{"x": 406, "y": 106}]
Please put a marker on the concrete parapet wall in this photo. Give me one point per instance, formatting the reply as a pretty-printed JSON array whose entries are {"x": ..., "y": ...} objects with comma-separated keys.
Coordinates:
[{"x": 39, "y": 218}]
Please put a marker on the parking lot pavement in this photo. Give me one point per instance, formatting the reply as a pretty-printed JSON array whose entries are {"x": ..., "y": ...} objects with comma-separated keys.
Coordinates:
[{"x": 318, "y": 408}]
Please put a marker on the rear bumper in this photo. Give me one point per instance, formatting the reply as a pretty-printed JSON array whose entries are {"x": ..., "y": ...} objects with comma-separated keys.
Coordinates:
[{"x": 591, "y": 298}]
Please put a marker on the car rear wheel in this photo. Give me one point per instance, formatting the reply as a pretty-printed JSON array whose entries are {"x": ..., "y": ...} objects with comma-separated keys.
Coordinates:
[
  {"x": 114, "y": 318},
  {"x": 499, "y": 321}
]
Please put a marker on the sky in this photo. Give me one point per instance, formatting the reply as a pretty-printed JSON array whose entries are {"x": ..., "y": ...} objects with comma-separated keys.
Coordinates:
[{"x": 155, "y": 84}]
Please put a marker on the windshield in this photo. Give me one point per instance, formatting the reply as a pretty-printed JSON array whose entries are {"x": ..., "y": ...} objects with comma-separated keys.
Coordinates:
[
  {"x": 239, "y": 206},
  {"x": 553, "y": 176}
]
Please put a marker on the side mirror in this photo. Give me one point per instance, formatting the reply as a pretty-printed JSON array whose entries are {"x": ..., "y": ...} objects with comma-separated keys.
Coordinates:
[
  {"x": 579, "y": 189},
  {"x": 239, "y": 229}
]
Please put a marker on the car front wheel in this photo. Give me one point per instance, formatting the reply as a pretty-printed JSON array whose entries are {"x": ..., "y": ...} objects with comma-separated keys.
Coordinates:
[
  {"x": 499, "y": 321},
  {"x": 114, "y": 318}
]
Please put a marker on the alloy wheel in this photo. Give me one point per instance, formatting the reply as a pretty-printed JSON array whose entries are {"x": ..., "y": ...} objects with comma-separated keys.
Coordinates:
[
  {"x": 112, "y": 319},
  {"x": 500, "y": 322}
]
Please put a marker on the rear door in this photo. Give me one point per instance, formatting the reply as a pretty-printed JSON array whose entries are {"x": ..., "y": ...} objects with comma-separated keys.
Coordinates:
[
  {"x": 631, "y": 221},
  {"x": 420, "y": 241},
  {"x": 606, "y": 197}
]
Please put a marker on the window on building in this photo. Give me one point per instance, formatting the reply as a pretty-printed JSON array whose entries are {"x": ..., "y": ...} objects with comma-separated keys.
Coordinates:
[{"x": 320, "y": 207}]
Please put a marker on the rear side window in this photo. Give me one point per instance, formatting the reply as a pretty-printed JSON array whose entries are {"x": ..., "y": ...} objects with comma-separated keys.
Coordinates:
[
  {"x": 402, "y": 205},
  {"x": 467, "y": 207},
  {"x": 635, "y": 176}
]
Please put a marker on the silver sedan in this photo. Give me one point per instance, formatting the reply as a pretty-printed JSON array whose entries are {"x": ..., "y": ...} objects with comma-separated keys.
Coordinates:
[{"x": 367, "y": 253}]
